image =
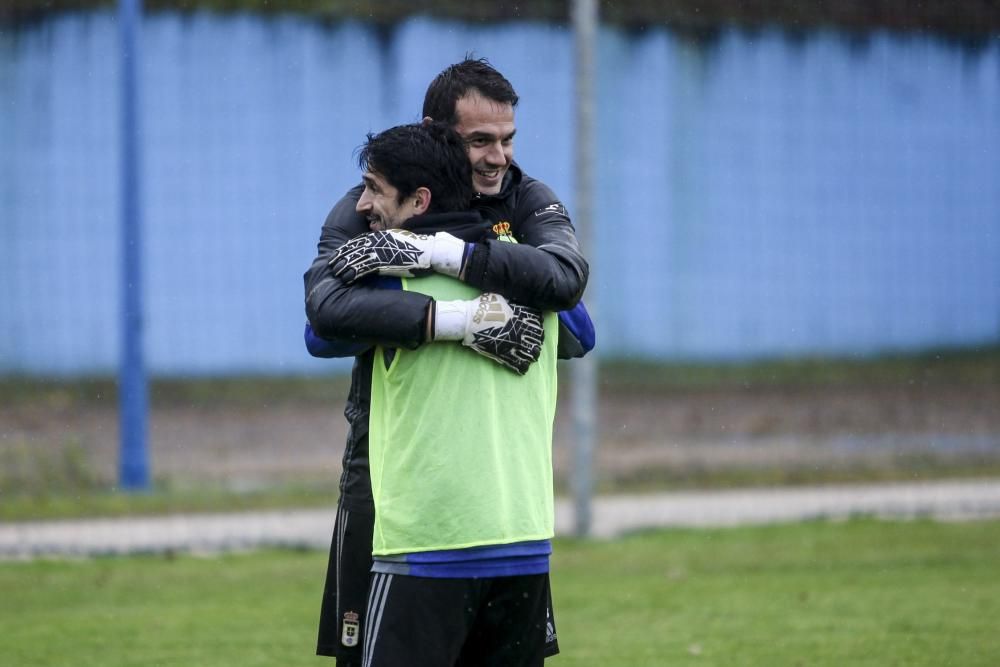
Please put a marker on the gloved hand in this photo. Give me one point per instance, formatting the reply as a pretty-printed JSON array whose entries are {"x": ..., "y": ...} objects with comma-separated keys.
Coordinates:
[
  {"x": 510, "y": 334},
  {"x": 398, "y": 252}
]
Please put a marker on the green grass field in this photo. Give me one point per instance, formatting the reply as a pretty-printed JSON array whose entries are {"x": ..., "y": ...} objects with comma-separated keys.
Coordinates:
[{"x": 856, "y": 593}]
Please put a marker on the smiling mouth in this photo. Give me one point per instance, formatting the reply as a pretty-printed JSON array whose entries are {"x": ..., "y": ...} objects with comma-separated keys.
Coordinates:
[
  {"x": 489, "y": 175},
  {"x": 376, "y": 224}
]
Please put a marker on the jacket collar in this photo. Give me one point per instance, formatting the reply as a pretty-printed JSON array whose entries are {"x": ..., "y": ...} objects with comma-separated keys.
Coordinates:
[{"x": 466, "y": 225}]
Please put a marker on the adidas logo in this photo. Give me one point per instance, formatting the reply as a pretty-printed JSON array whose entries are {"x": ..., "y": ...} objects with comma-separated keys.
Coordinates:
[{"x": 489, "y": 310}]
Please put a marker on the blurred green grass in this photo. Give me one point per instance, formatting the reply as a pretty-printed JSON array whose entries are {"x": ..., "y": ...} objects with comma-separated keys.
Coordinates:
[
  {"x": 861, "y": 592},
  {"x": 979, "y": 365},
  {"x": 163, "y": 498},
  {"x": 901, "y": 468},
  {"x": 208, "y": 392},
  {"x": 975, "y": 366}
]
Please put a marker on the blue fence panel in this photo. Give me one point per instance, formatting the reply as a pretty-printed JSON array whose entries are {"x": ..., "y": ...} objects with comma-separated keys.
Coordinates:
[
  {"x": 758, "y": 195},
  {"x": 59, "y": 214},
  {"x": 813, "y": 196}
]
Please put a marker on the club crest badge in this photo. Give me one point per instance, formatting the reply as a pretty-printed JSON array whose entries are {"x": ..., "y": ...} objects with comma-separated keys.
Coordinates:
[
  {"x": 349, "y": 636},
  {"x": 503, "y": 232}
]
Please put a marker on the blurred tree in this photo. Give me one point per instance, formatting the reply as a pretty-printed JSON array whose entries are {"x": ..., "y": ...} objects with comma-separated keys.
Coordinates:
[{"x": 967, "y": 18}]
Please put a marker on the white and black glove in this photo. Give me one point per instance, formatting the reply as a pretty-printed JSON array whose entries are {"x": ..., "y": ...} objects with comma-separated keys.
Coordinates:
[
  {"x": 510, "y": 334},
  {"x": 398, "y": 252}
]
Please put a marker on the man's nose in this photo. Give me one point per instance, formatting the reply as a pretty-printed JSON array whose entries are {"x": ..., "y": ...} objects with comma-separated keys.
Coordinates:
[
  {"x": 496, "y": 154},
  {"x": 364, "y": 204}
]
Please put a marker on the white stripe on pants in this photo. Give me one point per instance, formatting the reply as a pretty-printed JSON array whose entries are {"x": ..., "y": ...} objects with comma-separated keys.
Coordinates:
[{"x": 378, "y": 593}]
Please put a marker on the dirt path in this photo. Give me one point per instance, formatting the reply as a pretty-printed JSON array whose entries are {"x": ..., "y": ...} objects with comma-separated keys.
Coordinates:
[{"x": 645, "y": 438}]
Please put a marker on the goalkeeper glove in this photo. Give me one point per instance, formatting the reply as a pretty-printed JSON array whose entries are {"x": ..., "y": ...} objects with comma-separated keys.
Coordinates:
[
  {"x": 510, "y": 334},
  {"x": 398, "y": 252}
]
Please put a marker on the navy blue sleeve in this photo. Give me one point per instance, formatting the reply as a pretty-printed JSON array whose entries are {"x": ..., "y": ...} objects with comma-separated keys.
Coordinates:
[
  {"x": 326, "y": 348},
  {"x": 330, "y": 349},
  {"x": 577, "y": 336}
]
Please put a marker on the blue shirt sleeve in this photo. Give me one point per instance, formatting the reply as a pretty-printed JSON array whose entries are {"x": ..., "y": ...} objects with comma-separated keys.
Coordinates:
[
  {"x": 330, "y": 349},
  {"x": 576, "y": 324}
]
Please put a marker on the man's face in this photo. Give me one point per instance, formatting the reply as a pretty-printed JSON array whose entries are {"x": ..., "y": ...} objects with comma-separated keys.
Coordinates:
[
  {"x": 380, "y": 204},
  {"x": 488, "y": 130}
]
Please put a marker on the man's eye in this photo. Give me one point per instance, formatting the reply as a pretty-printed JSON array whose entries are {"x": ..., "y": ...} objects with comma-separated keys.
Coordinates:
[{"x": 479, "y": 143}]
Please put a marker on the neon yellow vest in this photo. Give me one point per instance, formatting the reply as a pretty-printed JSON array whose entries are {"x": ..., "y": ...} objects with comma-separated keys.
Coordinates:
[{"x": 460, "y": 448}]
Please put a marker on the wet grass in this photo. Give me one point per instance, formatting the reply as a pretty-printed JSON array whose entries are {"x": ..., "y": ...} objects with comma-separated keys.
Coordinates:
[
  {"x": 962, "y": 366},
  {"x": 65, "y": 393},
  {"x": 861, "y": 592},
  {"x": 975, "y": 366},
  {"x": 915, "y": 467},
  {"x": 164, "y": 499}
]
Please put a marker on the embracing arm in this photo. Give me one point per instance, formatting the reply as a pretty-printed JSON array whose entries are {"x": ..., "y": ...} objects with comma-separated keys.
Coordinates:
[
  {"x": 545, "y": 269},
  {"x": 551, "y": 277},
  {"x": 344, "y": 317},
  {"x": 331, "y": 349}
]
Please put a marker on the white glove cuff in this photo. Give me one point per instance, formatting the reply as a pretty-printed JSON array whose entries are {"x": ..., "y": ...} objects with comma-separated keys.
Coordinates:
[
  {"x": 449, "y": 320},
  {"x": 447, "y": 255}
]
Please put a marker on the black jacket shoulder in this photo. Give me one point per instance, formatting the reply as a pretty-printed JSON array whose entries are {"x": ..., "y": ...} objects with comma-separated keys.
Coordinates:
[{"x": 545, "y": 269}]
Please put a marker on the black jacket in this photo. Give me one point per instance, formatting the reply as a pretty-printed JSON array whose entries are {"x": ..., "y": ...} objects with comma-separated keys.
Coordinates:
[{"x": 545, "y": 270}]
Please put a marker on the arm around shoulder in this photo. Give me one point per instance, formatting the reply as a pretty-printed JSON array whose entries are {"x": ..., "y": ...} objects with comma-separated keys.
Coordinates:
[{"x": 545, "y": 269}]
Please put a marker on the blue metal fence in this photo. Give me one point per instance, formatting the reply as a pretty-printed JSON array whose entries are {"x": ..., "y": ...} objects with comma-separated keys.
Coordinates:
[{"x": 758, "y": 194}]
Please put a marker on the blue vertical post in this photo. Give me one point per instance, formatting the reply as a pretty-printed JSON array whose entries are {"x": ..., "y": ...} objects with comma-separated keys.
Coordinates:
[{"x": 133, "y": 399}]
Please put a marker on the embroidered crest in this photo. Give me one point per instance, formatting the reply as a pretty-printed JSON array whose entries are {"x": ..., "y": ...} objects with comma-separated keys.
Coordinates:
[
  {"x": 349, "y": 636},
  {"x": 502, "y": 230}
]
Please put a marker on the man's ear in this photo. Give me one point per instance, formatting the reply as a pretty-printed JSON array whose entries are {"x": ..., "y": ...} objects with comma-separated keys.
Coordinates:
[
  {"x": 426, "y": 121},
  {"x": 422, "y": 200}
]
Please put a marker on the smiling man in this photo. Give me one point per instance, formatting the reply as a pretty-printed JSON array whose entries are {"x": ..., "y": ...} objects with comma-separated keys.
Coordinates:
[
  {"x": 386, "y": 205},
  {"x": 530, "y": 256},
  {"x": 460, "y": 448},
  {"x": 488, "y": 129}
]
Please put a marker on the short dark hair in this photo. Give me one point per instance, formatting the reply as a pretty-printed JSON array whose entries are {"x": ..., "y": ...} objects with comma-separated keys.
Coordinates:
[
  {"x": 454, "y": 82},
  {"x": 431, "y": 156}
]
